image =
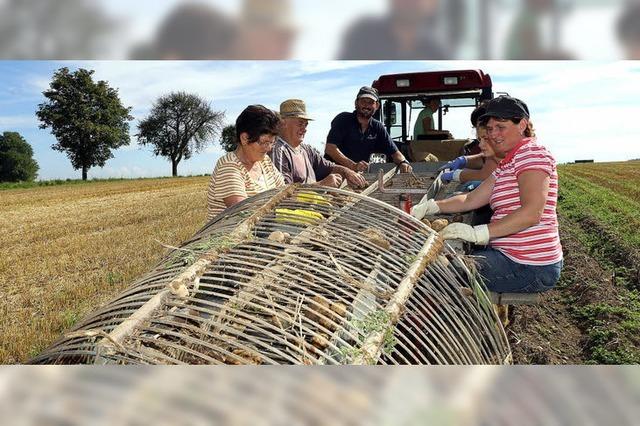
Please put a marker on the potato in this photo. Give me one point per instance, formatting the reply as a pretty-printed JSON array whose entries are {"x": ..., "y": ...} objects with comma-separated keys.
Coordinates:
[
  {"x": 249, "y": 356},
  {"x": 376, "y": 238},
  {"x": 320, "y": 341},
  {"x": 339, "y": 308},
  {"x": 277, "y": 236},
  {"x": 439, "y": 224},
  {"x": 317, "y": 313}
]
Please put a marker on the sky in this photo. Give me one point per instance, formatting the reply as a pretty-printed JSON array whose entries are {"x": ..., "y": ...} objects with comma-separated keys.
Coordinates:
[{"x": 580, "y": 109}]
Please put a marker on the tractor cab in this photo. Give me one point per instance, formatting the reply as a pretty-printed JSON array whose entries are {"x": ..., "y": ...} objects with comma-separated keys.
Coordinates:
[{"x": 404, "y": 96}]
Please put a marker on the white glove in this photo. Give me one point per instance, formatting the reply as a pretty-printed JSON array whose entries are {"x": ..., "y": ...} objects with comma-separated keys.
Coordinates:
[
  {"x": 461, "y": 231},
  {"x": 428, "y": 207}
]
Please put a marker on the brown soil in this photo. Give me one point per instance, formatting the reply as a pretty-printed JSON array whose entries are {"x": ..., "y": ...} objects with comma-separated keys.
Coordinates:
[{"x": 547, "y": 333}]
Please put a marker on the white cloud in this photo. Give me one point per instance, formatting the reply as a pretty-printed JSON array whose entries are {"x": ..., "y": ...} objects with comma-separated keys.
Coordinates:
[{"x": 580, "y": 109}]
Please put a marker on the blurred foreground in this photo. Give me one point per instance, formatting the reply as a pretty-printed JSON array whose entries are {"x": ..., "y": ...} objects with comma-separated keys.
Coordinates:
[
  {"x": 328, "y": 395},
  {"x": 333, "y": 29}
]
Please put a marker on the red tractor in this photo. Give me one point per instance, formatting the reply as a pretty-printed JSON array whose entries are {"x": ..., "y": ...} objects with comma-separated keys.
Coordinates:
[{"x": 403, "y": 96}]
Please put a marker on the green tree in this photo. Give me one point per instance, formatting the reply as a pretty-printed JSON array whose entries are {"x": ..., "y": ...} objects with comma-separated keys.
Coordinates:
[
  {"x": 87, "y": 118},
  {"x": 228, "y": 138},
  {"x": 179, "y": 125},
  {"x": 16, "y": 159}
]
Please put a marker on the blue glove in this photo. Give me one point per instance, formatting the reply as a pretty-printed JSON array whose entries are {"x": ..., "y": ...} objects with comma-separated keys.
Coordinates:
[
  {"x": 458, "y": 163},
  {"x": 454, "y": 175},
  {"x": 446, "y": 177}
]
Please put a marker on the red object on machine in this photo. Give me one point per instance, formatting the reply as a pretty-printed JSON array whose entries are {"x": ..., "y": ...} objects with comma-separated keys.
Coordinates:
[{"x": 405, "y": 203}]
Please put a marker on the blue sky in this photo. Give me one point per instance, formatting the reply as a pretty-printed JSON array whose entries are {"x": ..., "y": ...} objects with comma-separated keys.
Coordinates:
[{"x": 580, "y": 109}]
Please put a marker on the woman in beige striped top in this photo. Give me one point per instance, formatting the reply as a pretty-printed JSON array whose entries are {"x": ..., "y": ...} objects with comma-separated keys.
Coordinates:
[{"x": 248, "y": 170}]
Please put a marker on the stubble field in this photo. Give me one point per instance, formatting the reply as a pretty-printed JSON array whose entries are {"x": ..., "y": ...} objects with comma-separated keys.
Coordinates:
[{"x": 67, "y": 249}]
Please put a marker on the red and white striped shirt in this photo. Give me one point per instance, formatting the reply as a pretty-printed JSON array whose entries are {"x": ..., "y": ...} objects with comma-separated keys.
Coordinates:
[{"x": 538, "y": 244}]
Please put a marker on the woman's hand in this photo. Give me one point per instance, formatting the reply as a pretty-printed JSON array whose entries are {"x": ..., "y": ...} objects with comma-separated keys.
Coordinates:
[
  {"x": 461, "y": 231},
  {"x": 425, "y": 208}
]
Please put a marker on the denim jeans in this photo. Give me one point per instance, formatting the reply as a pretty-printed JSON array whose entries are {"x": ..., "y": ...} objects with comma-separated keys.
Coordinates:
[{"x": 503, "y": 275}]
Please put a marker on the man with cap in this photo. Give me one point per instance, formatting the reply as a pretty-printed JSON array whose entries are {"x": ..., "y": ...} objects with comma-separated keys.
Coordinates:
[
  {"x": 354, "y": 136},
  {"x": 301, "y": 163}
]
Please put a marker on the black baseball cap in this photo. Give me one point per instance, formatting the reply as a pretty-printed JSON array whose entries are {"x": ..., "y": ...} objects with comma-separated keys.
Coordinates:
[
  {"x": 505, "y": 107},
  {"x": 368, "y": 92}
]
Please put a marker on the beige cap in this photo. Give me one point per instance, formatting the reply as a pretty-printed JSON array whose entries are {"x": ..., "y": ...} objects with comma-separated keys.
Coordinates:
[{"x": 294, "y": 108}]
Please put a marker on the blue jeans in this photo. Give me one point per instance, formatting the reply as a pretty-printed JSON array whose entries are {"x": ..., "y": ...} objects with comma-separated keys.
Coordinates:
[{"x": 503, "y": 275}]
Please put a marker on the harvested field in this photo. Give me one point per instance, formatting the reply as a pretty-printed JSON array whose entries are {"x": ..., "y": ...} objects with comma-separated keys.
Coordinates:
[{"x": 67, "y": 249}]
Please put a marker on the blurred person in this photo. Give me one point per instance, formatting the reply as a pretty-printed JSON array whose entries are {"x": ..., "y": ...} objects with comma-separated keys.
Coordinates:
[
  {"x": 524, "y": 253},
  {"x": 62, "y": 29},
  {"x": 425, "y": 121},
  {"x": 266, "y": 30},
  {"x": 628, "y": 28},
  {"x": 407, "y": 32},
  {"x": 190, "y": 31},
  {"x": 354, "y": 136},
  {"x": 248, "y": 170},
  {"x": 454, "y": 12},
  {"x": 301, "y": 163},
  {"x": 525, "y": 39}
]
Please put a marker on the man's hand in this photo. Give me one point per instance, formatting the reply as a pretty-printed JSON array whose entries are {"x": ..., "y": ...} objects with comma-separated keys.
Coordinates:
[
  {"x": 461, "y": 231},
  {"x": 356, "y": 180},
  {"x": 405, "y": 168},
  {"x": 428, "y": 207},
  {"x": 332, "y": 181},
  {"x": 458, "y": 163},
  {"x": 361, "y": 166}
]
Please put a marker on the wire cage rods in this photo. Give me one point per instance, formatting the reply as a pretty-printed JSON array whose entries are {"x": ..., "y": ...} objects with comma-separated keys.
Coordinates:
[{"x": 352, "y": 271}]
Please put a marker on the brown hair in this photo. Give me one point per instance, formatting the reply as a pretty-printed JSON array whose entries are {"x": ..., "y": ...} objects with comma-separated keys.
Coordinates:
[{"x": 257, "y": 120}]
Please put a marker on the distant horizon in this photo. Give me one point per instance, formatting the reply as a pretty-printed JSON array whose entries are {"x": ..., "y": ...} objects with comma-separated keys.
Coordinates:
[
  {"x": 580, "y": 110},
  {"x": 96, "y": 179}
]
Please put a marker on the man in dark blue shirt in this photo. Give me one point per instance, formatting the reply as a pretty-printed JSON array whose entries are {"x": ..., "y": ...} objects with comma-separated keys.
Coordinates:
[{"x": 354, "y": 136}]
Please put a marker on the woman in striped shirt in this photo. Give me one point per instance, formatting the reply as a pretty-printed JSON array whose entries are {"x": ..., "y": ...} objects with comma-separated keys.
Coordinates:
[
  {"x": 524, "y": 252},
  {"x": 248, "y": 170}
]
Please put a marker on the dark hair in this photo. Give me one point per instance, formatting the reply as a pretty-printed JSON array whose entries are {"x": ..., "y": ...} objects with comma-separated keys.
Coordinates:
[
  {"x": 627, "y": 26},
  {"x": 195, "y": 31},
  {"x": 257, "y": 120},
  {"x": 480, "y": 110}
]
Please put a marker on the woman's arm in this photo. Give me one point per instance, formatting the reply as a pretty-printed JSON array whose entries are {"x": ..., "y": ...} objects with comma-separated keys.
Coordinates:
[
  {"x": 533, "y": 186},
  {"x": 475, "y": 161},
  {"x": 470, "y": 174},
  {"x": 467, "y": 202},
  {"x": 233, "y": 200}
]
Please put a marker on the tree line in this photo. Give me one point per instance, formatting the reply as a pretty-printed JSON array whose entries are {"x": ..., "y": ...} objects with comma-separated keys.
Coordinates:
[{"x": 89, "y": 122}]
